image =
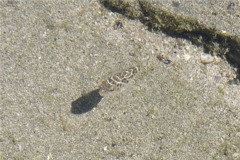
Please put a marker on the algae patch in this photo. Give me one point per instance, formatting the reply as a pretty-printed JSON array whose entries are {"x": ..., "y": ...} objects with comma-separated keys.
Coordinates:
[{"x": 214, "y": 41}]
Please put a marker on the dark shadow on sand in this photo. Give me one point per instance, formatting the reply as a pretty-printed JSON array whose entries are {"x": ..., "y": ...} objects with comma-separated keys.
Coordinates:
[{"x": 86, "y": 103}]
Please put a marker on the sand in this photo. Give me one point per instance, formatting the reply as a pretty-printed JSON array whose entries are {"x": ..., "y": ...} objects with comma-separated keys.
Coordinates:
[{"x": 55, "y": 52}]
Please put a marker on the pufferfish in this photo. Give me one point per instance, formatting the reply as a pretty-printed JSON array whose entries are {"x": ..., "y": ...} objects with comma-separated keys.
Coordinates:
[
  {"x": 90, "y": 100},
  {"x": 116, "y": 81}
]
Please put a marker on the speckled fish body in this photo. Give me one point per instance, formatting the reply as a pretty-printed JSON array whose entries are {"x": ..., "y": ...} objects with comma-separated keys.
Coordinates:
[{"x": 116, "y": 81}]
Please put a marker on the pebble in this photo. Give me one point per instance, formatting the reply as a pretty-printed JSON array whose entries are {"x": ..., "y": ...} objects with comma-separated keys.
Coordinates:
[
  {"x": 186, "y": 57},
  {"x": 207, "y": 58},
  {"x": 217, "y": 79},
  {"x": 236, "y": 156}
]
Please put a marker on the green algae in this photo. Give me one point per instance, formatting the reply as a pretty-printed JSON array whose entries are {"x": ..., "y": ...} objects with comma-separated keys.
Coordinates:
[{"x": 214, "y": 41}]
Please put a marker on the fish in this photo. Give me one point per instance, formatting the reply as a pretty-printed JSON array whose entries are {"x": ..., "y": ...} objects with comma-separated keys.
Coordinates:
[
  {"x": 88, "y": 101},
  {"x": 116, "y": 81}
]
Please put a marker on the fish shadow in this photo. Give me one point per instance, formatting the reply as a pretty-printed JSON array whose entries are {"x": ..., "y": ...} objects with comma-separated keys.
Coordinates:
[{"x": 86, "y": 103}]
